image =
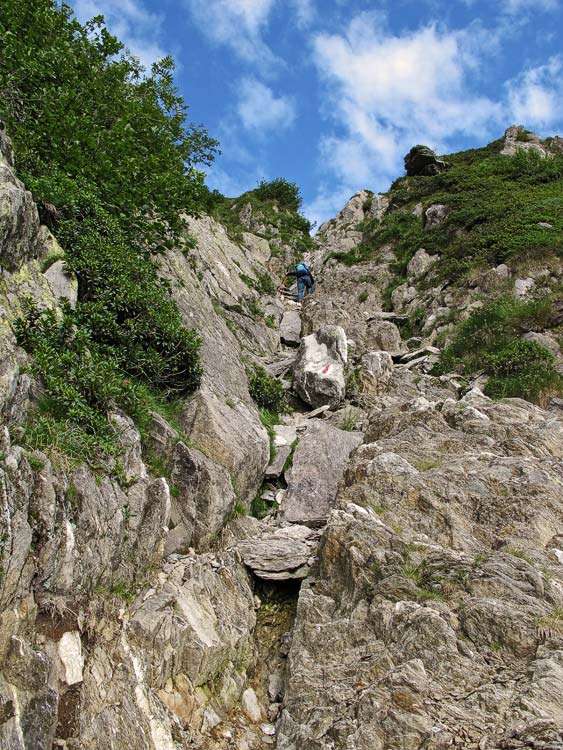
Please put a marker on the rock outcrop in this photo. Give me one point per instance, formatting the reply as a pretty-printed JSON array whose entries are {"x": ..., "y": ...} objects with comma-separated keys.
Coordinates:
[
  {"x": 421, "y": 160},
  {"x": 517, "y": 138}
]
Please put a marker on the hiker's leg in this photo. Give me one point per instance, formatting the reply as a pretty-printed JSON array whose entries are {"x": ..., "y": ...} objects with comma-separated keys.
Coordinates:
[{"x": 300, "y": 289}]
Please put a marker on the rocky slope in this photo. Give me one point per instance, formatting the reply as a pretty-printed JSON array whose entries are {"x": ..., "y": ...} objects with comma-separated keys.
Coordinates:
[{"x": 401, "y": 586}]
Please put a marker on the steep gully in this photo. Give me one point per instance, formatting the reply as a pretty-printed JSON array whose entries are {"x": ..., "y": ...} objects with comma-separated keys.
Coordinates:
[{"x": 403, "y": 591}]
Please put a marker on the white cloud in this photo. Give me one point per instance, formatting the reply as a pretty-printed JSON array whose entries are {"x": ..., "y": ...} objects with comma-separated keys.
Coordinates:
[
  {"x": 241, "y": 24},
  {"x": 259, "y": 108},
  {"x": 236, "y": 23},
  {"x": 138, "y": 28},
  {"x": 535, "y": 97},
  {"x": 305, "y": 12},
  {"x": 518, "y": 6},
  {"x": 386, "y": 93}
]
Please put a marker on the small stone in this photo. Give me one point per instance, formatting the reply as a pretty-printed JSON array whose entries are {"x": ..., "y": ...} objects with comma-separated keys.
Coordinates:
[
  {"x": 502, "y": 271},
  {"x": 251, "y": 706},
  {"x": 274, "y": 711},
  {"x": 545, "y": 225},
  {"x": 70, "y": 654},
  {"x": 522, "y": 287},
  {"x": 275, "y": 686},
  {"x": 268, "y": 729}
]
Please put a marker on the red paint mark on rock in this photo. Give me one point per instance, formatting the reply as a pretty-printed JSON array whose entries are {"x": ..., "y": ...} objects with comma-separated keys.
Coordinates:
[{"x": 326, "y": 369}]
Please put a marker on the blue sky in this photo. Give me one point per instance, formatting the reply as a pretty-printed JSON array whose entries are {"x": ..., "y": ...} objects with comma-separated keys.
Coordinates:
[{"x": 333, "y": 93}]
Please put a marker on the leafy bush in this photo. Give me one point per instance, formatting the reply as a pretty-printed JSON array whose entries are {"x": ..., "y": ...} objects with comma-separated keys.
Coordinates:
[
  {"x": 490, "y": 340},
  {"x": 267, "y": 391},
  {"x": 293, "y": 229},
  {"x": 265, "y": 283},
  {"x": 80, "y": 385},
  {"x": 110, "y": 147},
  {"x": 495, "y": 325},
  {"x": 522, "y": 369},
  {"x": 75, "y": 102},
  {"x": 282, "y": 192}
]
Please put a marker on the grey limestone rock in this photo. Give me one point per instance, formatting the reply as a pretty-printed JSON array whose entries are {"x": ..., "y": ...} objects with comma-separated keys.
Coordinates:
[
  {"x": 318, "y": 373},
  {"x": 290, "y": 328},
  {"x": 281, "y": 554},
  {"x": 318, "y": 465}
]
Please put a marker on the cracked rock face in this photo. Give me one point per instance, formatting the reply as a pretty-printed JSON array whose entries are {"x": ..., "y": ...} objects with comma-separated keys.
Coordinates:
[
  {"x": 429, "y": 621},
  {"x": 403, "y": 591}
]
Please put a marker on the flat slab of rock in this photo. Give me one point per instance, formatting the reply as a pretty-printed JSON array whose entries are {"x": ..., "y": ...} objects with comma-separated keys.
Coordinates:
[
  {"x": 381, "y": 315},
  {"x": 282, "y": 554},
  {"x": 284, "y": 434},
  {"x": 276, "y": 369},
  {"x": 318, "y": 465},
  {"x": 275, "y": 469},
  {"x": 418, "y": 352},
  {"x": 290, "y": 328}
]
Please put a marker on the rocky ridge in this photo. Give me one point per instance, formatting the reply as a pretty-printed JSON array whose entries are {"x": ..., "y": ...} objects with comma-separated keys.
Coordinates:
[{"x": 403, "y": 587}]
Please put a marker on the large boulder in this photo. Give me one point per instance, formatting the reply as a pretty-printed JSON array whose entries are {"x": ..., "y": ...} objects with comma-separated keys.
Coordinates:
[
  {"x": 385, "y": 336},
  {"x": 282, "y": 554},
  {"x": 435, "y": 215},
  {"x": 319, "y": 462},
  {"x": 420, "y": 263},
  {"x": 318, "y": 375},
  {"x": 231, "y": 436},
  {"x": 375, "y": 372},
  {"x": 422, "y": 161}
]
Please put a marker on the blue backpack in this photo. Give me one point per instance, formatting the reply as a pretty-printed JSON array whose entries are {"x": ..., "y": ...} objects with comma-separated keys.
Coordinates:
[{"x": 302, "y": 269}]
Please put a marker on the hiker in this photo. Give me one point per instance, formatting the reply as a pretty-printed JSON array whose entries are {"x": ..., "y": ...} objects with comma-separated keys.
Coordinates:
[{"x": 305, "y": 280}]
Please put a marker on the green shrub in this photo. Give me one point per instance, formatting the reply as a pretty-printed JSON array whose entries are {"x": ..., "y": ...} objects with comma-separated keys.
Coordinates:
[
  {"x": 495, "y": 325},
  {"x": 80, "y": 385},
  {"x": 74, "y": 101},
  {"x": 265, "y": 283},
  {"x": 282, "y": 192},
  {"x": 522, "y": 369},
  {"x": 262, "y": 284},
  {"x": 362, "y": 297},
  {"x": 490, "y": 340},
  {"x": 267, "y": 391},
  {"x": 290, "y": 226},
  {"x": 110, "y": 147},
  {"x": 255, "y": 308}
]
